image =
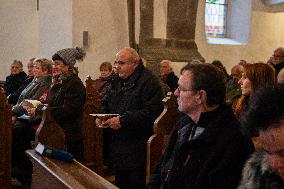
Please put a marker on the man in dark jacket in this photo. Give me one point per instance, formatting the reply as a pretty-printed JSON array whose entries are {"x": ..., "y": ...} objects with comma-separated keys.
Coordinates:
[
  {"x": 265, "y": 168},
  {"x": 136, "y": 95},
  {"x": 206, "y": 149}
]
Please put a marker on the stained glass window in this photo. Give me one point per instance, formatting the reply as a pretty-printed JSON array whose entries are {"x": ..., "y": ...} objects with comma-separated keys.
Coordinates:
[{"x": 215, "y": 18}]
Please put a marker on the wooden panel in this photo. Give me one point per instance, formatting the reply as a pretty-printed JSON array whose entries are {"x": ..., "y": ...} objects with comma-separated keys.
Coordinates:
[
  {"x": 93, "y": 137},
  {"x": 5, "y": 142},
  {"x": 50, "y": 133},
  {"x": 162, "y": 128},
  {"x": 50, "y": 173}
]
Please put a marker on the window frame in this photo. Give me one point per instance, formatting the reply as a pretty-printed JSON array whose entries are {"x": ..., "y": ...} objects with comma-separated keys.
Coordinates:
[{"x": 226, "y": 21}]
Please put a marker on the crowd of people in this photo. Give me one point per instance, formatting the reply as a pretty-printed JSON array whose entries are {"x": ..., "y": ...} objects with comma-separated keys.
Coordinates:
[{"x": 231, "y": 134}]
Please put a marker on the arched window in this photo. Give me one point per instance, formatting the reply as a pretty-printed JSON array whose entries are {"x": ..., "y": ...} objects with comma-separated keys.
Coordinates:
[
  {"x": 227, "y": 21},
  {"x": 216, "y": 18}
]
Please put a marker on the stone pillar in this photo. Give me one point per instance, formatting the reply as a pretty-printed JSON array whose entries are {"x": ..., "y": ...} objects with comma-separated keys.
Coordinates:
[{"x": 179, "y": 46}]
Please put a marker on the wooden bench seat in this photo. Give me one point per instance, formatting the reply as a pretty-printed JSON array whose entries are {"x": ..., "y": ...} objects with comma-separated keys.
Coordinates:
[{"x": 55, "y": 174}]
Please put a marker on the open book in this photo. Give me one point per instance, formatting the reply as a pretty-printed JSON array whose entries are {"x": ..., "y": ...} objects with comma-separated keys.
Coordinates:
[{"x": 26, "y": 103}]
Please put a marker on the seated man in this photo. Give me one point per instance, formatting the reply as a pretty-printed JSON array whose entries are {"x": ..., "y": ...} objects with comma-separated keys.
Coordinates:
[
  {"x": 233, "y": 88},
  {"x": 167, "y": 75},
  {"x": 206, "y": 149},
  {"x": 265, "y": 169},
  {"x": 277, "y": 59}
]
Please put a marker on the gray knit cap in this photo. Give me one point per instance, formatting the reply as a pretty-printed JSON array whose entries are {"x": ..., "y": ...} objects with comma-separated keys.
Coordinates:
[{"x": 70, "y": 55}]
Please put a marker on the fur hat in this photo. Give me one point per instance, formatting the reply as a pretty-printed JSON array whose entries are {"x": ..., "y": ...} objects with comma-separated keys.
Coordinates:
[{"x": 69, "y": 55}]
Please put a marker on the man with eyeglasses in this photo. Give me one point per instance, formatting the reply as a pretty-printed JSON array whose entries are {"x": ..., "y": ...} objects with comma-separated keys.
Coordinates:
[
  {"x": 265, "y": 168},
  {"x": 206, "y": 148},
  {"x": 136, "y": 95},
  {"x": 277, "y": 59}
]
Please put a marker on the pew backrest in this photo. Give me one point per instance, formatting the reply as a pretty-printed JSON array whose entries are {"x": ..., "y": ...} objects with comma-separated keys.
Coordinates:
[
  {"x": 93, "y": 137},
  {"x": 5, "y": 142},
  {"x": 49, "y": 132},
  {"x": 162, "y": 128}
]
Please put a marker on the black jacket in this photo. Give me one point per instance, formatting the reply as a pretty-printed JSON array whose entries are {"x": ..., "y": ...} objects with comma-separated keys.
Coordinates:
[
  {"x": 13, "y": 82},
  {"x": 209, "y": 154},
  {"x": 138, "y": 100},
  {"x": 171, "y": 80},
  {"x": 66, "y": 101},
  {"x": 13, "y": 98}
]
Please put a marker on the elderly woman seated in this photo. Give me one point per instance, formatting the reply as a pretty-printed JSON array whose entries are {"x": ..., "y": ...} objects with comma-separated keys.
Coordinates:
[
  {"x": 23, "y": 132},
  {"x": 15, "y": 79}
]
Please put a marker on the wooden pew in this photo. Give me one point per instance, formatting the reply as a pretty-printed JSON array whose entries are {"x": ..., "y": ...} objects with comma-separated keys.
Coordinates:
[
  {"x": 49, "y": 132},
  {"x": 93, "y": 137},
  {"x": 162, "y": 128},
  {"x": 51, "y": 173},
  {"x": 5, "y": 142}
]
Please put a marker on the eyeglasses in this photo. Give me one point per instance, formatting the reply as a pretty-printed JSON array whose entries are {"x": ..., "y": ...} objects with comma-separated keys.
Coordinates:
[
  {"x": 179, "y": 89},
  {"x": 119, "y": 62}
]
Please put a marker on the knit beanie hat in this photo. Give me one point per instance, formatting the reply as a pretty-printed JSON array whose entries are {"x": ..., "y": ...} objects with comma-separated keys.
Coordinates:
[{"x": 69, "y": 55}]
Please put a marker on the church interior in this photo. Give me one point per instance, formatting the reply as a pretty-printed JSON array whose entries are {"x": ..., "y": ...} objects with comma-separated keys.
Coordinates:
[{"x": 175, "y": 30}]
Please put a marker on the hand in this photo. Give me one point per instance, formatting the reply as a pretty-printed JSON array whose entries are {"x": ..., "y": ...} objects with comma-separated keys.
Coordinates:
[
  {"x": 31, "y": 111},
  {"x": 98, "y": 122},
  {"x": 14, "y": 119},
  {"x": 113, "y": 123}
]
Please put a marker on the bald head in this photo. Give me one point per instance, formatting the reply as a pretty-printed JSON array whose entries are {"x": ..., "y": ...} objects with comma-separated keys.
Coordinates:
[
  {"x": 278, "y": 55},
  {"x": 127, "y": 59},
  {"x": 236, "y": 71},
  {"x": 129, "y": 54}
]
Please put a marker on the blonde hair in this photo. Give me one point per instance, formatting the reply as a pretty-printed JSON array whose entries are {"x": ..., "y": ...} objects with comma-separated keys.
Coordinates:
[{"x": 46, "y": 64}]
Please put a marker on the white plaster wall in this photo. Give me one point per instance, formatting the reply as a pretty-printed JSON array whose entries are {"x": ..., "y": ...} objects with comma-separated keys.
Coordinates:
[
  {"x": 55, "y": 26},
  {"x": 18, "y": 33},
  {"x": 106, "y": 22}
]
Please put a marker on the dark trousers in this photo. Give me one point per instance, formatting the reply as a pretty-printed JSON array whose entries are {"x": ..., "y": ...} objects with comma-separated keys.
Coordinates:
[
  {"x": 22, "y": 135},
  {"x": 130, "y": 179}
]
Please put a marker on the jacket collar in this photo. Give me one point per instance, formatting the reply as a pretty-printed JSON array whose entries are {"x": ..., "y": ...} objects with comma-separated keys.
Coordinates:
[{"x": 129, "y": 82}]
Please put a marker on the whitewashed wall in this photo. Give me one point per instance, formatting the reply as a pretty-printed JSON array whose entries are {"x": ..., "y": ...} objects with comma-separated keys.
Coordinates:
[
  {"x": 26, "y": 32},
  {"x": 19, "y": 37}
]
